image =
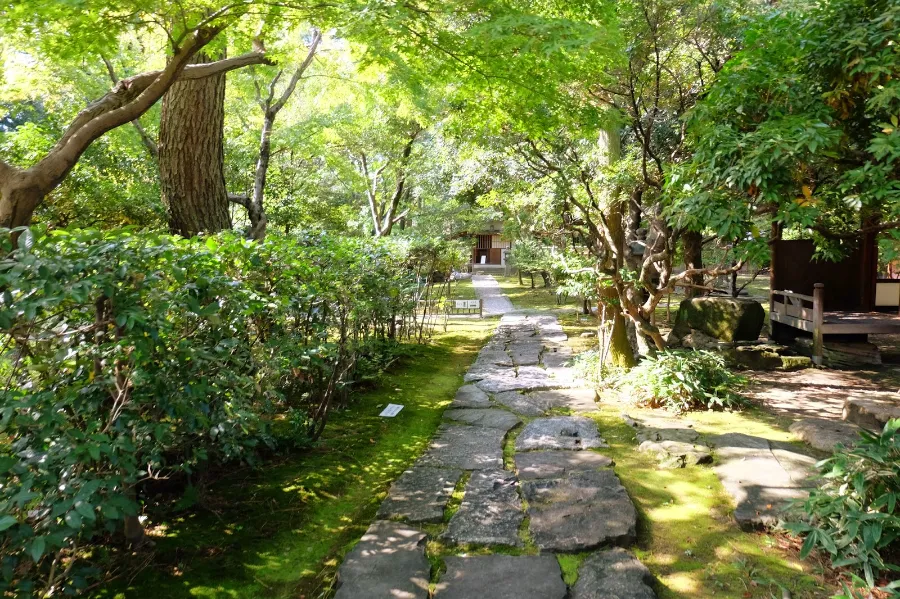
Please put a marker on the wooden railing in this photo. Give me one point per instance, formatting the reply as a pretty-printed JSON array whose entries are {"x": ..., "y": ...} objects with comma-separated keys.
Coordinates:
[{"x": 793, "y": 311}]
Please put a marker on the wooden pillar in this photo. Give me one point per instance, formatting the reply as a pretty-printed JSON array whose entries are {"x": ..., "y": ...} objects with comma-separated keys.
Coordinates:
[
  {"x": 869, "y": 257},
  {"x": 818, "y": 318}
]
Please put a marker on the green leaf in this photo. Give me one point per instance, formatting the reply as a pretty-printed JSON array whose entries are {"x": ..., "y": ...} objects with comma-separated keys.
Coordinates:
[
  {"x": 38, "y": 545},
  {"x": 6, "y": 522},
  {"x": 73, "y": 520}
]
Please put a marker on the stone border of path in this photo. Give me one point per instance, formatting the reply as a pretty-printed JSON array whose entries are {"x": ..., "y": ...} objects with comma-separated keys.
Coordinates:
[{"x": 573, "y": 500}]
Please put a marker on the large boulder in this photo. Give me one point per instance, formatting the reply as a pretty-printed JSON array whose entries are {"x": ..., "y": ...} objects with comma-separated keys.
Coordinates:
[{"x": 724, "y": 318}]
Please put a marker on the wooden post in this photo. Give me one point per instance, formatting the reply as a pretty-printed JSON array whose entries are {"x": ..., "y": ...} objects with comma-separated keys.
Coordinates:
[
  {"x": 818, "y": 318},
  {"x": 480, "y": 308}
]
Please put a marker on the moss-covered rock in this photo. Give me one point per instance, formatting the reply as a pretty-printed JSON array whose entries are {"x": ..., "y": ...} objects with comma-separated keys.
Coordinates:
[{"x": 725, "y": 318}]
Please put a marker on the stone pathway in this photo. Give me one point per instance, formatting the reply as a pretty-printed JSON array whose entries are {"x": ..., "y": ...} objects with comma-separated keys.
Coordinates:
[
  {"x": 557, "y": 494},
  {"x": 494, "y": 302}
]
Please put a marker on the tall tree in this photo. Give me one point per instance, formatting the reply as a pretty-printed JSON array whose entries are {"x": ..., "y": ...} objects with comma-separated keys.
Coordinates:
[{"x": 191, "y": 155}]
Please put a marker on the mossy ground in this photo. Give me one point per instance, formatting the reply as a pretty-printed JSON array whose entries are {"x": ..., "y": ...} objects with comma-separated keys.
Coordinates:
[{"x": 281, "y": 530}]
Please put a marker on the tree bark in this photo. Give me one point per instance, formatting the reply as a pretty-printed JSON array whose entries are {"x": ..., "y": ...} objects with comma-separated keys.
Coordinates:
[
  {"x": 192, "y": 155},
  {"x": 614, "y": 334},
  {"x": 692, "y": 244}
]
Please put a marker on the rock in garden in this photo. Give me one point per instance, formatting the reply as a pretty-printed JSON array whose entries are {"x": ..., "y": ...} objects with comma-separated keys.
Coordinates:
[
  {"x": 613, "y": 574},
  {"x": 465, "y": 448},
  {"x": 871, "y": 413},
  {"x": 526, "y": 354},
  {"x": 525, "y": 377},
  {"x": 502, "y": 577},
  {"x": 420, "y": 495},
  {"x": 582, "y": 511},
  {"x": 677, "y": 454},
  {"x": 824, "y": 434},
  {"x": 491, "y": 511},
  {"x": 723, "y": 318},
  {"x": 491, "y": 417},
  {"x": 557, "y": 464},
  {"x": 470, "y": 396},
  {"x": 560, "y": 432},
  {"x": 388, "y": 562}
]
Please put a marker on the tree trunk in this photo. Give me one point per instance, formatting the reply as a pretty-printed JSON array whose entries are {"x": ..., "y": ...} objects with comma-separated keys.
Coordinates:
[
  {"x": 618, "y": 349},
  {"x": 692, "y": 243},
  {"x": 191, "y": 155}
]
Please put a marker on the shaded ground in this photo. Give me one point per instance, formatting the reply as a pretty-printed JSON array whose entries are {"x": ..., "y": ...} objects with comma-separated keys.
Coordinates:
[{"x": 819, "y": 393}]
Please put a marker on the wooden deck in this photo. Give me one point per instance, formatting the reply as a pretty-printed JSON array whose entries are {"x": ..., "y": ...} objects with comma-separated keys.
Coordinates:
[{"x": 845, "y": 323}]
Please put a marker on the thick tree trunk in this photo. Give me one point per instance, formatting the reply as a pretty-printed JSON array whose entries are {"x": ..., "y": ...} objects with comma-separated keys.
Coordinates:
[
  {"x": 191, "y": 155},
  {"x": 617, "y": 350},
  {"x": 692, "y": 243}
]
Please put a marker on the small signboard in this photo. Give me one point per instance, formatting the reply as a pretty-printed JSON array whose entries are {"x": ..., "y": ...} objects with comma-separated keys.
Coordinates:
[
  {"x": 461, "y": 304},
  {"x": 391, "y": 410},
  {"x": 474, "y": 304}
]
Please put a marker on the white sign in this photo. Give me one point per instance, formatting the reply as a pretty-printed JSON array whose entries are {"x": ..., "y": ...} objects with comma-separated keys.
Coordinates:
[
  {"x": 391, "y": 410},
  {"x": 461, "y": 304},
  {"x": 474, "y": 303}
]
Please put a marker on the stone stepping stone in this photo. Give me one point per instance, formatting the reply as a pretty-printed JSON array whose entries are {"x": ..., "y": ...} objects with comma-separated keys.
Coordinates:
[
  {"x": 478, "y": 372},
  {"x": 824, "y": 434},
  {"x": 470, "y": 396},
  {"x": 388, "y": 562},
  {"x": 560, "y": 432},
  {"x": 497, "y": 357},
  {"x": 760, "y": 478},
  {"x": 673, "y": 441},
  {"x": 520, "y": 403},
  {"x": 525, "y": 377},
  {"x": 580, "y": 512},
  {"x": 613, "y": 574},
  {"x": 491, "y": 511},
  {"x": 465, "y": 448},
  {"x": 577, "y": 399},
  {"x": 526, "y": 354},
  {"x": 872, "y": 413},
  {"x": 502, "y": 577},
  {"x": 490, "y": 418},
  {"x": 420, "y": 495},
  {"x": 557, "y": 464},
  {"x": 555, "y": 360}
]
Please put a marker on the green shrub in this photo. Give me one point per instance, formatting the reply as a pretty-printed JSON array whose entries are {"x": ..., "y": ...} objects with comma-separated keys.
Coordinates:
[
  {"x": 130, "y": 357},
  {"x": 680, "y": 381},
  {"x": 853, "y": 514}
]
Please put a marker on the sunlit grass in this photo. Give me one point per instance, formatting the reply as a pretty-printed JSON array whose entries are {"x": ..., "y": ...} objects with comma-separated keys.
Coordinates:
[{"x": 281, "y": 530}]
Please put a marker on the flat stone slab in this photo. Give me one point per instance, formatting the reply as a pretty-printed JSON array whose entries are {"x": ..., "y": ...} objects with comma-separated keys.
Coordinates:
[
  {"x": 871, "y": 413},
  {"x": 824, "y": 434},
  {"x": 526, "y": 353},
  {"x": 497, "y": 356},
  {"x": 480, "y": 370},
  {"x": 762, "y": 478},
  {"x": 389, "y": 561},
  {"x": 613, "y": 574},
  {"x": 490, "y": 418},
  {"x": 677, "y": 454},
  {"x": 470, "y": 396},
  {"x": 579, "y": 512},
  {"x": 491, "y": 511},
  {"x": 465, "y": 448},
  {"x": 557, "y": 464},
  {"x": 560, "y": 432},
  {"x": 525, "y": 377},
  {"x": 519, "y": 403},
  {"x": 420, "y": 495},
  {"x": 502, "y": 577},
  {"x": 577, "y": 399}
]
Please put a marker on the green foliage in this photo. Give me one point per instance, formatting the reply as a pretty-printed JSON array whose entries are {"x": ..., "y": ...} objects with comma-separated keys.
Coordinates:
[
  {"x": 132, "y": 357},
  {"x": 531, "y": 256},
  {"x": 802, "y": 123},
  {"x": 853, "y": 513},
  {"x": 681, "y": 381}
]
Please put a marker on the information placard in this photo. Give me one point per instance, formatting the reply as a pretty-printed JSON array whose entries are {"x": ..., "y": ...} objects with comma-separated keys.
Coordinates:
[{"x": 391, "y": 410}]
